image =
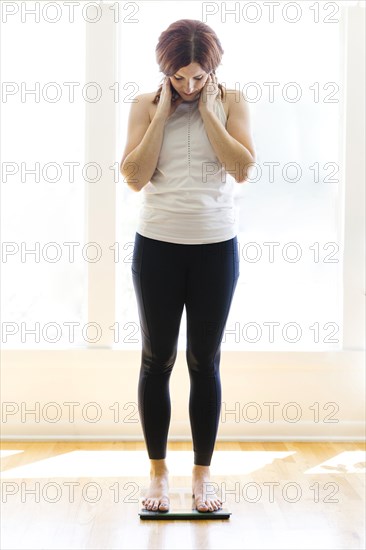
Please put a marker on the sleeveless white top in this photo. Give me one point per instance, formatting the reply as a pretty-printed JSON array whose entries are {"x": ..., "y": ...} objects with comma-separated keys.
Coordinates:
[{"x": 189, "y": 198}]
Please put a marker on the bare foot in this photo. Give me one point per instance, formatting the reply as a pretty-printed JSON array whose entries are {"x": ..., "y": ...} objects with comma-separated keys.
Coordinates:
[
  {"x": 157, "y": 494},
  {"x": 206, "y": 499}
]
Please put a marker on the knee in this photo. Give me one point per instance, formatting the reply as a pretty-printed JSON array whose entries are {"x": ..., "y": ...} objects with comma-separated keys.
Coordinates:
[
  {"x": 203, "y": 364},
  {"x": 158, "y": 364}
]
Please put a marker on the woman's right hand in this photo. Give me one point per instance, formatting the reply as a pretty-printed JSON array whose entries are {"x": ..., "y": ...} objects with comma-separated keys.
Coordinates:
[{"x": 165, "y": 106}]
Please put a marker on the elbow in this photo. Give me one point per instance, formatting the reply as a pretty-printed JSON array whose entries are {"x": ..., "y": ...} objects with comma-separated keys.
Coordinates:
[
  {"x": 128, "y": 178},
  {"x": 133, "y": 184},
  {"x": 134, "y": 187},
  {"x": 122, "y": 168},
  {"x": 243, "y": 175}
]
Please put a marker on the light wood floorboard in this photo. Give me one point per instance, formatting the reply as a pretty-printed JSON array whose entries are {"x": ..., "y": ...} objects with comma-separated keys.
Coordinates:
[{"x": 282, "y": 496}]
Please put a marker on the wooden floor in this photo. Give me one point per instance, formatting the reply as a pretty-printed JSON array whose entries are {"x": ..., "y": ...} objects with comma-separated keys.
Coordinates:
[{"x": 87, "y": 495}]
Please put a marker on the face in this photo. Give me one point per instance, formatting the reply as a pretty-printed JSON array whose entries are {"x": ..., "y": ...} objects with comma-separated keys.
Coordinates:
[{"x": 188, "y": 81}]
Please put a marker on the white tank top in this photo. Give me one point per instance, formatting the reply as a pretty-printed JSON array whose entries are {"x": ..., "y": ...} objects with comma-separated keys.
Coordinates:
[{"x": 189, "y": 198}]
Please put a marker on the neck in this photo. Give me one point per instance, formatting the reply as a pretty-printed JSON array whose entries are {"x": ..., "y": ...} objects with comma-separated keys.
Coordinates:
[{"x": 191, "y": 100}]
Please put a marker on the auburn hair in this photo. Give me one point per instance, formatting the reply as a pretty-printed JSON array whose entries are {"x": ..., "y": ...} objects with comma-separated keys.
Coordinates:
[{"x": 187, "y": 41}]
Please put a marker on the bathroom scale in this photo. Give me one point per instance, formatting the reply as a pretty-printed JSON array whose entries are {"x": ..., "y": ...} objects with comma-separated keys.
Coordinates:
[
  {"x": 223, "y": 513},
  {"x": 183, "y": 512}
]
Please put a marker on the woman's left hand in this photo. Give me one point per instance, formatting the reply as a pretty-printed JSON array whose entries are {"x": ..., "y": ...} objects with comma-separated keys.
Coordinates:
[{"x": 209, "y": 93}]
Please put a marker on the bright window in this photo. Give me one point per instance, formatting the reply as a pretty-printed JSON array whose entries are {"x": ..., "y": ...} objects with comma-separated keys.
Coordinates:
[
  {"x": 289, "y": 291},
  {"x": 43, "y": 121}
]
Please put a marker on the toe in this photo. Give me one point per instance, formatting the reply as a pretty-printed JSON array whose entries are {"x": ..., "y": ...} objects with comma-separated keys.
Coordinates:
[
  {"x": 202, "y": 506},
  {"x": 164, "y": 505}
]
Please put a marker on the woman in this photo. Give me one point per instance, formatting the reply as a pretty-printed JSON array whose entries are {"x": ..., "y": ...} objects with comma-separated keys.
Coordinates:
[{"x": 182, "y": 141}]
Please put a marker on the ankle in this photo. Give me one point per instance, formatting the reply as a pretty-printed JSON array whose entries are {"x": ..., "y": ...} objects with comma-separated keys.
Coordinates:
[
  {"x": 158, "y": 473},
  {"x": 158, "y": 467},
  {"x": 201, "y": 470}
]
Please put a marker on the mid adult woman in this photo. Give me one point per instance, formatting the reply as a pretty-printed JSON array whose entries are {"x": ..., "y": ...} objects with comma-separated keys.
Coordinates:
[{"x": 182, "y": 142}]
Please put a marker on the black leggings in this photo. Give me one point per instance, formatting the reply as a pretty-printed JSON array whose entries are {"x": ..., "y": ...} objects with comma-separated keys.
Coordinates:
[{"x": 166, "y": 276}]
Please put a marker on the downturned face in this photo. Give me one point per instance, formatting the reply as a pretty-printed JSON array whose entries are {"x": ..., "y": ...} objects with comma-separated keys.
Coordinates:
[{"x": 189, "y": 81}]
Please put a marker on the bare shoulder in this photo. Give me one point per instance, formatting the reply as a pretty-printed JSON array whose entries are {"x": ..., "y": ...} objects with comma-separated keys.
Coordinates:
[
  {"x": 146, "y": 102},
  {"x": 139, "y": 120},
  {"x": 238, "y": 119},
  {"x": 141, "y": 102},
  {"x": 226, "y": 100},
  {"x": 234, "y": 101}
]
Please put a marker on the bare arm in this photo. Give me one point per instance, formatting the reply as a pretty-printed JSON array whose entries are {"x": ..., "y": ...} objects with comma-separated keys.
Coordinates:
[
  {"x": 234, "y": 145},
  {"x": 143, "y": 145},
  {"x": 145, "y": 138}
]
